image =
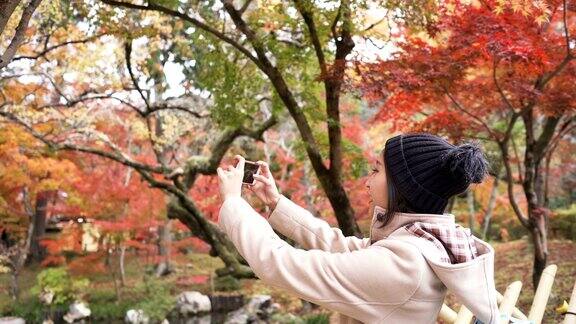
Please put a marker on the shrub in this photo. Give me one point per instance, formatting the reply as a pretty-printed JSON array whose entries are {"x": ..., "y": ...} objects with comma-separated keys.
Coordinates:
[
  {"x": 323, "y": 318},
  {"x": 30, "y": 309},
  {"x": 156, "y": 299},
  {"x": 65, "y": 288},
  {"x": 226, "y": 283},
  {"x": 563, "y": 223}
]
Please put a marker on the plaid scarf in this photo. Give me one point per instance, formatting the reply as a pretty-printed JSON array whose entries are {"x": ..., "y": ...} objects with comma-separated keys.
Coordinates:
[{"x": 456, "y": 243}]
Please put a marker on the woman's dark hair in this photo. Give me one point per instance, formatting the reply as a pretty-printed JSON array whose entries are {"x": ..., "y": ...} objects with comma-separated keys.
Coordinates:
[{"x": 396, "y": 202}]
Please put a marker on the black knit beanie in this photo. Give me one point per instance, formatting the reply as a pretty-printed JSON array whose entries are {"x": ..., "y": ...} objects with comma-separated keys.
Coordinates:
[{"x": 427, "y": 170}]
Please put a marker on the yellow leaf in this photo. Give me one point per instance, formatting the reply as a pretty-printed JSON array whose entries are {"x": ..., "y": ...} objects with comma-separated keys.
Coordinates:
[{"x": 563, "y": 308}]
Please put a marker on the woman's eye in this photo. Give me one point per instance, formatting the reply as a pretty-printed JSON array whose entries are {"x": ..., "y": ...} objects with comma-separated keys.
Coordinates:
[{"x": 374, "y": 170}]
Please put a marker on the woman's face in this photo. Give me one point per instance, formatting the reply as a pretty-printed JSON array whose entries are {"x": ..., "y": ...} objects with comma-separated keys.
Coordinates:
[{"x": 377, "y": 184}]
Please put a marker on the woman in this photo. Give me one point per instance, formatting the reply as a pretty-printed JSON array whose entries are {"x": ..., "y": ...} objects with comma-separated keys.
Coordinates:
[{"x": 415, "y": 252}]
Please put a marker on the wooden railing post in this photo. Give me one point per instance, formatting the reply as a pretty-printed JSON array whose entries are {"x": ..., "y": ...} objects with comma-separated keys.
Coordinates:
[
  {"x": 542, "y": 294},
  {"x": 571, "y": 318},
  {"x": 510, "y": 297}
]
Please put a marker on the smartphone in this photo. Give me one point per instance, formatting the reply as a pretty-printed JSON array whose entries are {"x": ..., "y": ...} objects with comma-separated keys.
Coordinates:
[{"x": 250, "y": 168}]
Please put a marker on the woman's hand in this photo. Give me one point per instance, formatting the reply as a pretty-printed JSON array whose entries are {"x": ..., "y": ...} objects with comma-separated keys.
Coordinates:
[
  {"x": 265, "y": 186},
  {"x": 230, "y": 180}
]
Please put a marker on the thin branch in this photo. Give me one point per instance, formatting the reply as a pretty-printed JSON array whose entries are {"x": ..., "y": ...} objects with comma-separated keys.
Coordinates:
[
  {"x": 288, "y": 41},
  {"x": 119, "y": 157},
  {"x": 335, "y": 22},
  {"x": 510, "y": 181},
  {"x": 566, "y": 128},
  {"x": 154, "y": 7},
  {"x": 72, "y": 102},
  {"x": 51, "y": 48},
  {"x": 459, "y": 106},
  {"x": 566, "y": 32},
  {"x": 517, "y": 156},
  {"x": 245, "y": 6},
  {"x": 544, "y": 79},
  {"x": 500, "y": 91},
  {"x": 375, "y": 24},
  {"x": 309, "y": 20},
  {"x": 164, "y": 106},
  {"x": 127, "y": 55},
  {"x": 546, "y": 136}
]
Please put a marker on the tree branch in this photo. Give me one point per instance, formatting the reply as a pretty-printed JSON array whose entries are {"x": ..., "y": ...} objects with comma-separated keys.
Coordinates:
[
  {"x": 121, "y": 158},
  {"x": 281, "y": 88},
  {"x": 566, "y": 32},
  {"x": 127, "y": 55},
  {"x": 193, "y": 21},
  {"x": 510, "y": 180},
  {"x": 7, "y": 7},
  {"x": 207, "y": 166},
  {"x": 478, "y": 119},
  {"x": 544, "y": 79},
  {"x": 245, "y": 6},
  {"x": 309, "y": 20},
  {"x": 46, "y": 50},
  {"x": 500, "y": 91},
  {"x": 545, "y": 137},
  {"x": 19, "y": 35}
]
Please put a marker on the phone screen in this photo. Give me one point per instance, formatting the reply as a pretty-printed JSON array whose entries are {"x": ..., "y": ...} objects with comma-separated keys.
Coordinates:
[{"x": 250, "y": 168}]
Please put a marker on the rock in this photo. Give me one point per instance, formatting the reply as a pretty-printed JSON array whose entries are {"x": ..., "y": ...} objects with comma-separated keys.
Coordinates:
[
  {"x": 275, "y": 307},
  {"x": 257, "y": 310},
  {"x": 206, "y": 319},
  {"x": 262, "y": 306},
  {"x": 239, "y": 316},
  {"x": 77, "y": 311},
  {"x": 192, "y": 302},
  {"x": 46, "y": 296},
  {"x": 12, "y": 320},
  {"x": 136, "y": 316},
  {"x": 259, "y": 303}
]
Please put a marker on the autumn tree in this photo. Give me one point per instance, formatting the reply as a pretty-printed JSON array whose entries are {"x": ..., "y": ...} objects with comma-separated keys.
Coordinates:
[
  {"x": 298, "y": 50},
  {"x": 32, "y": 180},
  {"x": 169, "y": 143},
  {"x": 254, "y": 62},
  {"x": 499, "y": 73}
]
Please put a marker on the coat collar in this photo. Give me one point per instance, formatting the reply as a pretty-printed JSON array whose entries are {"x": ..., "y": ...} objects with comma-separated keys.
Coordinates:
[{"x": 401, "y": 219}]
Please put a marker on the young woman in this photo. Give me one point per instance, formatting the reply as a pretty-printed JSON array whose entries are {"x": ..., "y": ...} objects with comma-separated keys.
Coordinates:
[{"x": 415, "y": 252}]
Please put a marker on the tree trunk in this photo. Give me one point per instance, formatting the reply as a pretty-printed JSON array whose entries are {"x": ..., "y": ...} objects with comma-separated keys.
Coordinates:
[
  {"x": 6, "y": 9},
  {"x": 14, "y": 287},
  {"x": 540, "y": 255},
  {"x": 450, "y": 205},
  {"x": 490, "y": 207},
  {"x": 221, "y": 246},
  {"x": 534, "y": 188},
  {"x": 334, "y": 189},
  {"x": 108, "y": 263},
  {"x": 121, "y": 261},
  {"x": 471, "y": 209},
  {"x": 20, "y": 32},
  {"x": 37, "y": 251},
  {"x": 164, "y": 249}
]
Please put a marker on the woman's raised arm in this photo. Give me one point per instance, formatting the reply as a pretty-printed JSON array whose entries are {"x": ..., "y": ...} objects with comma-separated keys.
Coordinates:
[
  {"x": 298, "y": 223},
  {"x": 311, "y": 232}
]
